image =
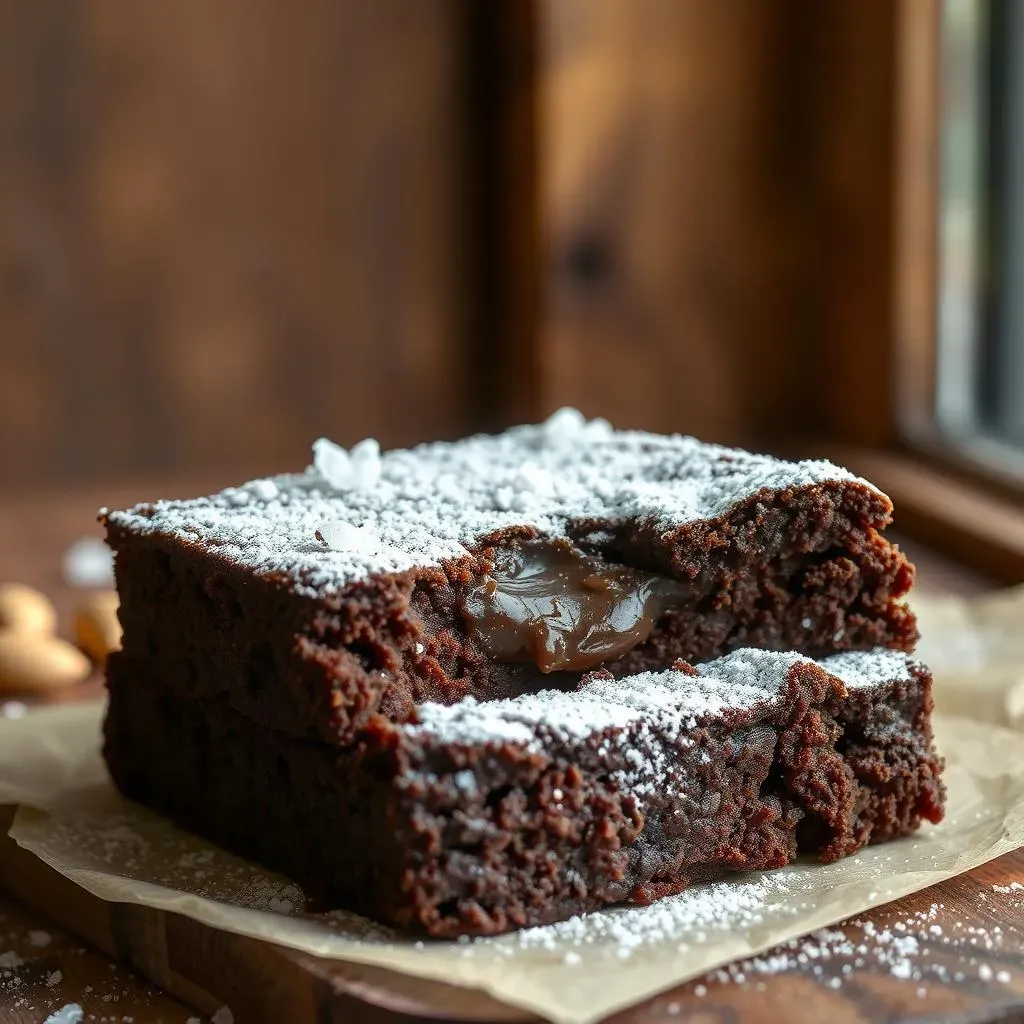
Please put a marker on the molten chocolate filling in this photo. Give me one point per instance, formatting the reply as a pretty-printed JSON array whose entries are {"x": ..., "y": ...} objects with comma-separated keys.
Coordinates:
[{"x": 550, "y": 604}]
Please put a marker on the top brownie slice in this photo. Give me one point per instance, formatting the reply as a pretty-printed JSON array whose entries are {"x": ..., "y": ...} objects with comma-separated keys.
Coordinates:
[{"x": 495, "y": 566}]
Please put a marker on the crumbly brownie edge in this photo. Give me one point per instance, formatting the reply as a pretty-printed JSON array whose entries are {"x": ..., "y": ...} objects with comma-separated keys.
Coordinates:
[{"x": 888, "y": 744}]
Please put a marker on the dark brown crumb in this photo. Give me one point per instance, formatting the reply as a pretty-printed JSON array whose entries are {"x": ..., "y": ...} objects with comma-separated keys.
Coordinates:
[{"x": 447, "y": 838}]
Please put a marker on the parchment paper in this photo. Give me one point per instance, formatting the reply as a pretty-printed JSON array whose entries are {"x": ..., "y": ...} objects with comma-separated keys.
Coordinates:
[
  {"x": 976, "y": 650},
  {"x": 585, "y": 969}
]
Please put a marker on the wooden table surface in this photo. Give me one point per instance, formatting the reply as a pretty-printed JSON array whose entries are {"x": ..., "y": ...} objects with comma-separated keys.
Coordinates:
[{"x": 955, "y": 952}]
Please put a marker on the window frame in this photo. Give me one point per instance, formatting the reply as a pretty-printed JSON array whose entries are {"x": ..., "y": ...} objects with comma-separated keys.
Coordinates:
[
  {"x": 979, "y": 461},
  {"x": 947, "y": 490}
]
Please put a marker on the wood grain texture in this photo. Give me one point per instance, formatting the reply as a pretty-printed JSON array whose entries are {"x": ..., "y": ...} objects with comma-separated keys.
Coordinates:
[
  {"x": 716, "y": 194},
  {"x": 206, "y": 968},
  {"x": 225, "y": 230},
  {"x": 508, "y": 356},
  {"x": 851, "y": 284},
  {"x": 917, "y": 213},
  {"x": 86, "y": 976},
  {"x": 650, "y": 146},
  {"x": 266, "y": 984}
]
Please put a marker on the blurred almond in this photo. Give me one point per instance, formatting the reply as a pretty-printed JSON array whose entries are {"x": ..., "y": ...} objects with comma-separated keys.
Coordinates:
[
  {"x": 97, "y": 629},
  {"x": 33, "y": 662},
  {"x": 24, "y": 609}
]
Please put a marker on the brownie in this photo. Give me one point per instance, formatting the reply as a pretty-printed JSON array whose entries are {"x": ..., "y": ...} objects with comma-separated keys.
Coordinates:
[
  {"x": 490, "y": 815},
  {"x": 454, "y": 688},
  {"x": 312, "y": 603}
]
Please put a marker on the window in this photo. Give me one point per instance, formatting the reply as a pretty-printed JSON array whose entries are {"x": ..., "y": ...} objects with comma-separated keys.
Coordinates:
[{"x": 979, "y": 399}]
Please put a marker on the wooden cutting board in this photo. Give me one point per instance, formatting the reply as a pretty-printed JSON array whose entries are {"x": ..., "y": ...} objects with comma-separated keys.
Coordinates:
[
  {"x": 207, "y": 968},
  {"x": 267, "y": 984}
]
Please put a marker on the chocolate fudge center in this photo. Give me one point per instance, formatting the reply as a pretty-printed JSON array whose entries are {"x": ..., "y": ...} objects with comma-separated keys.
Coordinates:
[{"x": 549, "y": 604}]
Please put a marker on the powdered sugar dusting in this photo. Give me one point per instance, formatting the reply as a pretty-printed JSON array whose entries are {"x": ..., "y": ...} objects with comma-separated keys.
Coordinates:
[
  {"x": 436, "y": 501},
  {"x": 671, "y": 701},
  {"x": 685, "y": 918},
  {"x": 861, "y": 669},
  {"x": 657, "y": 710}
]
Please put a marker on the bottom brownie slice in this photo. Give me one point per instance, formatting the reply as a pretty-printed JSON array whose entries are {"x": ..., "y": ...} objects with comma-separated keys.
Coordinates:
[{"x": 481, "y": 817}]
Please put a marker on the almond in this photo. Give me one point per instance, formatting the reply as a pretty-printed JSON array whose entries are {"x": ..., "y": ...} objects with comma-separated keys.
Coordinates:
[
  {"x": 24, "y": 609},
  {"x": 31, "y": 662},
  {"x": 97, "y": 629}
]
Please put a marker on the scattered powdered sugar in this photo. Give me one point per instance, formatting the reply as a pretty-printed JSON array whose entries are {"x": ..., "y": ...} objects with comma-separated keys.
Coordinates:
[
  {"x": 1012, "y": 887},
  {"x": 688, "y": 918},
  {"x": 1015, "y": 895},
  {"x": 35, "y": 984},
  {"x": 437, "y": 501},
  {"x": 907, "y": 947},
  {"x": 134, "y": 841},
  {"x": 89, "y": 563},
  {"x": 71, "y": 1013},
  {"x": 933, "y": 947}
]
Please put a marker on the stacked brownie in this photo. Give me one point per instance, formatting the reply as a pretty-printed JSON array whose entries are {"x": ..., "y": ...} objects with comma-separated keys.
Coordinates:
[{"x": 484, "y": 684}]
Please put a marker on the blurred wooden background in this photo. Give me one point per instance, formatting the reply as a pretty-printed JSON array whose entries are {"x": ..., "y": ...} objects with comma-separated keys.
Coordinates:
[{"x": 226, "y": 229}]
